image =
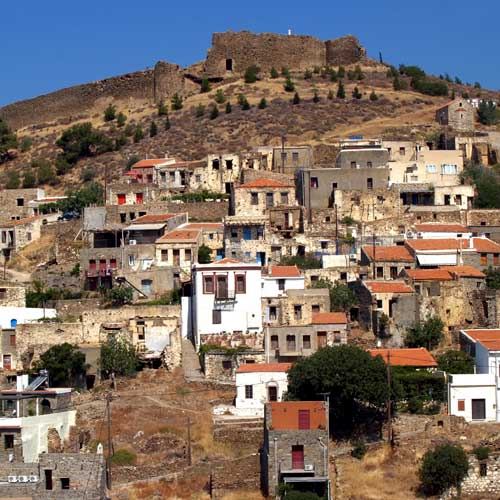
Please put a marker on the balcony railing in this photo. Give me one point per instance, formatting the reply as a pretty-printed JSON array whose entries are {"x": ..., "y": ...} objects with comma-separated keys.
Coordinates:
[
  {"x": 224, "y": 294},
  {"x": 94, "y": 273}
]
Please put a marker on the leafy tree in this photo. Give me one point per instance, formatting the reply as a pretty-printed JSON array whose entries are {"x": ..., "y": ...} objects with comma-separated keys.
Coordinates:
[
  {"x": 252, "y": 74},
  {"x": 13, "y": 180},
  {"x": 412, "y": 71},
  {"x": 274, "y": 73},
  {"x": 341, "y": 72},
  {"x": 330, "y": 95},
  {"x": 356, "y": 94},
  {"x": 428, "y": 334},
  {"x": 453, "y": 94},
  {"x": 45, "y": 171},
  {"x": 308, "y": 74},
  {"x": 200, "y": 111},
  {"x": 176, "y": 102},
  {"x": 110, "y": 113},
  {"x": 342, "y": 298},
  {"x": 91, "y": 194},
  {"x": 228, "y": 108},
  {"x": 289, "y": 86},
  {"x": 488, "y": 113},
  {"x": 373, "y": 96},
  {"x": 455, "y": 362},
  {"x": 120, "y": 119},
  {"x": 205, "y": 86},
  {"x": 341, "y": 90},
  {"x": 493, "y": 278},
  {"x": 138, "y": 134},
  {"x": 118, "y": 357},
  {"x": 131, "y": 161},
  {"x": 220, "y": 98},
  {"x": 263, "y": 103},
  {"x": 355, "y": 381},
  {"x": 487, "y": 183},
  {"x": 214, "y": 112},
  {"x": 162, "y": 108},
  {"x": 8, "y": 140},
  {"x": 29, "y": 179},
  {"x": 204, "y": 254},
  {"x": 308, "y": 261},
  {"x": 429, "y": 87},
  {"x": 82, "y": 140},
  {"x": 65, "y": 364},
  {"x": 296, "y": 98},
  {"x": 120, "y": 295},
  {"x": 316, "y": 97},
  {"x": 153, "y": 129},
  {"x": 458, "y": 81},
  {"x": 443, "y": 467}
]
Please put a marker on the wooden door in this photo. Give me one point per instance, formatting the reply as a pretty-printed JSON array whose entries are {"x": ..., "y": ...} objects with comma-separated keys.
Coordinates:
[
  {"x": 272, "y": 393},
  {"x": 478, "y": 409},
  {"x": 321, "y": 339},
  {"x": 298, "y": 457}
]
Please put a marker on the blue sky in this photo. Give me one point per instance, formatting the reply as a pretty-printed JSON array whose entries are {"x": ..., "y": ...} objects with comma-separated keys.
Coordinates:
[{"x": 51, "y": 44}]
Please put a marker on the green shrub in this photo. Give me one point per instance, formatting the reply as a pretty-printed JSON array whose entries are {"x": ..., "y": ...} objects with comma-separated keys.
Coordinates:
[
  {"x": 373, "y": 96},
  {"x": 138, "y": 134},
  {"x": 263, "y": 103},
  {"x": 204, "y": 254},
  {"x": 228, "y": 108},
  {"x": 359, "y": 450},
  {"x": 205, "y": 86},
  {"x": 8, "y": 140},
  {"x": 341, "y": 72},
  {"x": 214, "y": 112},
  {"x": 120, "y": 119},
  {"x": 110, "y": 113},
  {"x": 482, "y": 452},
  {"x": 25, "y": 144},
  {"x": 341, "y": 90},
  {"x": 274, "y": 73},
  {"x": 330, "y": 95},
  {"x": 410, "y": 383},
  {"x": 120, "y": 295},
  {"x": 176, "y": 102},
  {"x": 296, "y": 98},
  {"x": 200, "y": 111},
  {"x": 13, "y": 180},
  {"x": 252, "y": 74},
  {"x": 29, "y": 179},
  {"x": 123, "y": 457},
  {"x": 45, "y": 171},
  {"x": 316, "y": 97},
  {"x": 162, "y": 108},
  {"x": 308, "y": 74},
  {"x": 427, "y": 334},
  {"x": 88, "y": 174},
  {"x": 289, "y": 86},
  {"x": 356, "y": 94},
  {"x": 153, "y": 129},
  {"x": 415, "y": 405},
  {"x": 220, "y": 98}
]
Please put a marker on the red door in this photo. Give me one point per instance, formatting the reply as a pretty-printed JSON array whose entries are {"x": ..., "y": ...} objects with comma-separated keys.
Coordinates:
[
  {"x": 138, "y": 198},
  {"x": 121, "y": 199},
  {"x": 298, "y": 457}
]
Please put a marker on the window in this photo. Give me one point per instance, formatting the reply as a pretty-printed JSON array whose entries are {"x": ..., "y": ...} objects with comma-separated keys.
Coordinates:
[
  {"x": 229, "y": 164},
  {"x": 229, "y": 65},
  {"x": 249, "y": 392},
  {"x": 353, "y": 164},
  {"x": 295, "y": 157},
  {"x": 187, "y": 254},
  {"x": 297, "y": 311},
  {"x": 197, "y": 178},
  {"x": 379, "y": 304},
  {"x": 402, "y": 151},
  {"x": 337, "y": 337},
  {"x": 241, "y": 283},
  {"x": 496, "y": 260},
  {"x": 369, "y": 183},
  {"x": 298, "y": 457},
  {"x": 216, "y": 317},
  {"x": 139, "y": 198},
  {"x": 283, "y": 157},
  {"x": 431, "y": 169},
  {"x": 380, "y": 272},
  {"x": 483, "y": 469},
  {"x": 141, "y": 328},
  {"x": 304, "y": 419},
  {"x": 272, "y": 313},
  {"x": 269, "y": 199},
  {"x": 20, "y": 202},
  {"x": 28, "y": 236},
  {"x": 343, "y": 276},
  {"x": 315, "y": 308},
  {"x": 254, "y": 198},
  {"x": 9, "y": 441},
  {"x": 48, "y": 479},
  {"x": 306, "y": 341},
  {"x": 369, "y": 164},
  {"x": 447, "y": 169},
  {"x": 164, "y": 255},
  {"x": 65, "y": 483},
  {"x": 324, "y": 245},
  {"x": 314, "y": 278},
  {"x": 208, "y": 284},
  {"x": 284, "y": 198},
  {"x": 12, "y": 339},
  {"x": 121, "y": 199},
  {"x": 112, "y": 263},
  {"x": 275, "y": 344},
  {"x": 484, "y": 259},
  {"x": 234, "y": 233},
  {"x": 92, "y": 265},
  {"x": 314, "y": 183},
  {"x": 290, "y": 343},
  {"x": 215, "y": 164},
  {"x": 461, "y": 405},
  {"x": 227, "y": 364},
  {"x": 131, "y": 260},
  {"x": 281, "y": 284}
]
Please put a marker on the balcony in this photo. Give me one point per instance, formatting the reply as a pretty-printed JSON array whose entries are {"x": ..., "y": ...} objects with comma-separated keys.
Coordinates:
[
  {"x": 102, "y": 273},
  {"x": 223, "y": 294},
  {"x": 307, "y": 469}
]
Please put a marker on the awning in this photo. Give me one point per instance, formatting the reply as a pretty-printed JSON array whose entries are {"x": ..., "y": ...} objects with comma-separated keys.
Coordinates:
[
  {"x": 146, "y": 227},
  {"x": 437, "y": 259}
]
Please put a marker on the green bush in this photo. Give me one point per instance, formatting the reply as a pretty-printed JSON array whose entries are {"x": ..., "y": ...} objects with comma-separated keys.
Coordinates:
[
  {"x": 274, "y": 73},
  {"x": 429, "y": 87},
  {"x": 296, "y": 98},
  {"x": 26, "y": 143},
  {"x": 29, "y": 179},
  {"x": 120, "y": 119},
  {"x": 427, "y": 334},
  {"x": 289, "y": 86},
  {"x": 359, "y": 450},
  {"x": 262, "y": 103},
  {"x": 442, "y": 468},
  {"x": 228, "y": 108},
  {"x": 308, "y": 261},
  {"x": 410, "y": 383},
  {"x": 373, "y": 96},
  {"x": 482, "y": 452},
  {"x": 204, "y": 254},
  {"x": 308, "y": 74},
  {"x": 214, "y": 112},
  {"x": 200, "y": 111},
  {"x": 196, "y": 196},
  {"x": 356, "y": 94},
  {"x": 88, "y": 174},
  {"x": 8, "y": 140},
  {"x": 455, "y": 362},
  {"x": 176, "y": 102},
  {"x": 341, "y": 72},
  {"x": 153, "y": 129},
  {"x": 341, "y": 90},
  {"x": 162, "y": 108},
  {"x": 13, "y": 180},
  {"x": 120, "y": 295},
  {"x": 118, "y": 356},
  {"x": 412, "y": 71},
  {"x": 316, "y": 98},
  {"x": 45, "y": 171},
  {"x": 110, "y": 113},
  {"x": 488, "y": 113},
  {"x": 138, "y": 134},
  {"x": 415, "y": 405},
  {"x": 251, "y": 74},
  {"x": 123, "y": 457},
  {"x": 220, "y": 98},
  {"x": 205, "y": 86}
]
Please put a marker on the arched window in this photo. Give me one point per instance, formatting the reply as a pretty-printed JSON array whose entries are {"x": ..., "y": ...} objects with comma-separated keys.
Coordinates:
[{"x": 45, "y": 408}]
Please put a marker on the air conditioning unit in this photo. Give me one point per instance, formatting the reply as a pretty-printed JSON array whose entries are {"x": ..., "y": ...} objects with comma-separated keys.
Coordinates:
[
  {"x": 33, "y": 479},
  {"x": 12, "y": 479},
  {"x": 132, "y": 242},
  {"x": 309, "y": 467},
  {"x": 23, "y": 479}
]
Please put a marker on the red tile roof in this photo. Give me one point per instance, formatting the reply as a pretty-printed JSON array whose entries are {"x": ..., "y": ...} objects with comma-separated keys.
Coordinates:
[
  {"x": 441, "y": 228},
  {"x": 464, "y": 271},
  {"x": 263, "y": 367},
  {"x": 429, "y": 274},
  {"x": 179, "y": 235},
  {"x": 388, "y": 287},
  {"x": 438, "y": 244},
  {"x": 264, "y": 183},
  {"x": 153, "y": 218},
  {"x": 228, "y": 260},
  {"x": 488, "y": 338},
  {"x": 149, "y": 163},
  {"x": 406, "y": 357},
  {"x": 389, "y": 254},
  {"x": 285, "y": 415},
  {"x": 216, "y": 226},
  {"x": 329, "y": 318},
  {"x": 484, "y": 245},
  {"x": 284, "y": 272}
]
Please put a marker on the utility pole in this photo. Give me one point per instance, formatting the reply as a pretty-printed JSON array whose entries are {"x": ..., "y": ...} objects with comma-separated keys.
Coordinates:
[
  {"x": 283, "y": 154},
  {"x": 389, "y": 409},
  {"x": 105, "y": 184},
  {"x": 110, "y": 445},
  {"x": 373, "y": 251},
  {"x": 326, "y": 399},
  {"x": 189, "y": 441},
  {"x": 336, "y": 231}
]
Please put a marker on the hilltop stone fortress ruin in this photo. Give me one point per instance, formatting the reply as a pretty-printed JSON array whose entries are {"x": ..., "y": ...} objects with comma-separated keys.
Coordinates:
[{"x": 231, "y": 53}]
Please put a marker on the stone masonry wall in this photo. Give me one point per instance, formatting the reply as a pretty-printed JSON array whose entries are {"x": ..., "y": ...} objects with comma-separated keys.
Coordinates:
[{"x": 344, "y": 50}]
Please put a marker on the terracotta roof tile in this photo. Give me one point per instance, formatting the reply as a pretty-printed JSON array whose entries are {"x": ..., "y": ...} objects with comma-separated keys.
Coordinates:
[
  {"x": 406, "y": 357},
  {"x": 388, "y": 287},
  {"x": 151, "y": 162},
  {"x": 438, "y": 244},
  {"x": 480, "y": 334},
  {"x": 285, "y": 415},
  {"x": 329, "y": 318},
  {"x": 264, "y": 183},
  {"x": 484, "y": 245},
  {"x": 429, "y": 274},
  {"x": 153, "y": 218},
  {"x": 263, "y": 367},
  {"x": 216, "y": 226},
  {"x": 179, "y": 235},
  {"x": 389, "y": 254},
  {"x": 284, "y": 272},
  {"x": 441, "y": 228},
  {"x": 464, "y": 271}
]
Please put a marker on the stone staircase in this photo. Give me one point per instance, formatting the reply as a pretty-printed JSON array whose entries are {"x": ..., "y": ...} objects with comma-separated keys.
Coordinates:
[{"x": 191, "y": 362}]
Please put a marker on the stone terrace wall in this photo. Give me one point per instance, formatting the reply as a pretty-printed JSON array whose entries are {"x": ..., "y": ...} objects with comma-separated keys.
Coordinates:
[
  {"x": 344, "y": 50},
  {"x": 164, "y": 80},
  {"x": 266, "y": 50},
  {"x": 239, "y": 474}
]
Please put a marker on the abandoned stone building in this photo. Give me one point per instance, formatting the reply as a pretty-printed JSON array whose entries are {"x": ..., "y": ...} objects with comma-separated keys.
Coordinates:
[
  {"x": 15, "y": 202},
  {"x": 289, "y": 159},
  {"x": 16, "y": 234},
  {"x": 458, "y": 114},
  {"x": 295, "y": 449},
  {"x": 385, "y": 263}
]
